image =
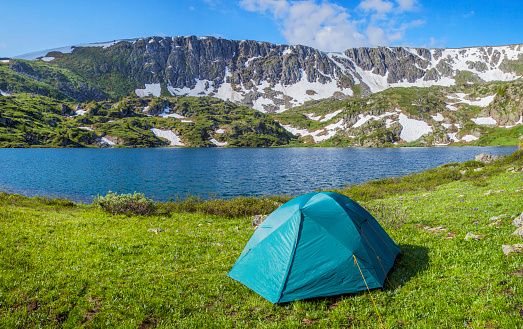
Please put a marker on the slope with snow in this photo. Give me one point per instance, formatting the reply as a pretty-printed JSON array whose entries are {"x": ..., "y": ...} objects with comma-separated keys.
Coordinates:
[
  {"x": 174, "y": 139},
  {"x": 153, "y": 89}
]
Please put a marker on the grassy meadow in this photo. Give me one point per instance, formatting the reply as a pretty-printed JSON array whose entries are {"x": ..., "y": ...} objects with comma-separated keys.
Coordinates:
[{"x": 66, "y": 265}]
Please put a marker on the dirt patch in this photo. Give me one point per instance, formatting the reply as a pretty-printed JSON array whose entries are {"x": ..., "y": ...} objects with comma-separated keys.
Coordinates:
[
  {"x": 518, "y": 272},
  {"x": 449, "y": 235},
  {"x": 89, "y": 314},
  {"x": 148, "y": 323},
  {"x": 507, "y": 291},
  {"x": 308, "y": 322},
  {"x": 32, "y": 306}
]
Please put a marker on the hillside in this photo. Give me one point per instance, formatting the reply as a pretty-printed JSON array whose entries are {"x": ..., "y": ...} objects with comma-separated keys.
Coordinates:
[
  {"x": 71, "y": 265},
  {"x": 370, "y": 97}
]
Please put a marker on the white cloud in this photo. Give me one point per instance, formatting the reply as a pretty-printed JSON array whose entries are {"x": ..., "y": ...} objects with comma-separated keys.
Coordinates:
[
  {"x": 323, "y": 25},
  {"x": 472, "y": 13},
  {"x": 407, "y": 5},
  {"x": 378, "y": 5},
  {"x": 331, "y": 27},
  {"x": 3, "y": 45}
]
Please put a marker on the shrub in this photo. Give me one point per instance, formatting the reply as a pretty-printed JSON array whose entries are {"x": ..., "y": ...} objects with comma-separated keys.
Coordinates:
[
  {"x": 231, "y": 208},
  {"x": 56, "y": 201},
  {"x": 129, "y": 204}
]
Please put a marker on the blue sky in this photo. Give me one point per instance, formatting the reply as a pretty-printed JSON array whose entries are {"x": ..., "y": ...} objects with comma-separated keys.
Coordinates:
[{"x": 28, "y": 26}]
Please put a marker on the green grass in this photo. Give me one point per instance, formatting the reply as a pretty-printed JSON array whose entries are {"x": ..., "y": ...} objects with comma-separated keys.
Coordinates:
[{"x": 70, "y": 265}]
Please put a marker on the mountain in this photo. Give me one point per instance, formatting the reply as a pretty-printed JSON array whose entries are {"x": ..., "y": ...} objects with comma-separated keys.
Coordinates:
[{"x": 399, "y": 94}]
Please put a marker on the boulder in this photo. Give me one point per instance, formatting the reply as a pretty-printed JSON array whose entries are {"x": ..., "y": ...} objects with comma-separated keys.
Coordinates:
[
  {"x": 518, "y": 232},
  {"x": 473, "y": 236},
  {"x": 488, "y": 158},
  {"x": 436, "y": 229},
  {"x": 518, "y": 221},
  {"x": 155, "y": 230},
  {"x": 258, "y": 219},
  {"x": 507, "y": 248}
]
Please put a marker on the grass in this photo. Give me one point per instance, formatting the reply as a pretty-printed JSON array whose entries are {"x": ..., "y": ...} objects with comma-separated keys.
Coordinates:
[{"x": 68, "y": 266}]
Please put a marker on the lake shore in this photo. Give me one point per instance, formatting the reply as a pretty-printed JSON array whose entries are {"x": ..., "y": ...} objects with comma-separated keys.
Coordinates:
[{"x": 70, "y": 265}]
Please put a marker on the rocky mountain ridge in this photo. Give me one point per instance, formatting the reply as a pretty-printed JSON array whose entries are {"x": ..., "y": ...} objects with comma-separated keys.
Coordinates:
[
  {"x": 274, "y": 78},
  {"x": 454, "y": 95}
]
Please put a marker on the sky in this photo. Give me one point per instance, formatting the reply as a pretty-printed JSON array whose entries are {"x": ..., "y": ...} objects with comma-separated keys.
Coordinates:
[{"x": 328, "y": 25}]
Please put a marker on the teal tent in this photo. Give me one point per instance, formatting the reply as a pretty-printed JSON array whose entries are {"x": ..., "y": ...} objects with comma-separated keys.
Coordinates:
[{"x": 311, "y": 247}]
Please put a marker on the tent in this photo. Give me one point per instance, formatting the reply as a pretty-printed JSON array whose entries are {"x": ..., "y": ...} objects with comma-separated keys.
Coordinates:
[{"x": 318, "y": 244}]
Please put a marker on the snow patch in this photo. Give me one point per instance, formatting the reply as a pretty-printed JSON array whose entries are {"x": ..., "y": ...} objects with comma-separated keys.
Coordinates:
[
  {"x": 481, "y": 102},
  {"x": 412, "y": 129},
  {"x": 169, "y": 135},
  {"x": 166, "y": 114},
  {"x": 313, "y": 116},
  {"x": 330, "y": 116},
  {"x": 469, "y": 138},
  {"x": 319, "y": 135},
  {"x": 202, "y": 87},
  {"x": 220, "y": 131},
  {"x": 154, "y": 89},
  {"x": 3, "y": 93},
  {"x": 106, "y": 141},
  {"x": 4, "y": 60},
  {"x": 87, "y": 128},
  {"x": 217, "y": 143},
  {"x": 438, "y": 117},
  {"x": 484, "y": 121},
  {"x": 80, "y": 112},
  {"x": 364, "y": 118},
  {"x": 47, "y": 59}
]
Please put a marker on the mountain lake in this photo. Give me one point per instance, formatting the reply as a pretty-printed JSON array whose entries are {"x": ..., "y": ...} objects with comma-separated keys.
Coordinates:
[{"x": 166, "y": 173}]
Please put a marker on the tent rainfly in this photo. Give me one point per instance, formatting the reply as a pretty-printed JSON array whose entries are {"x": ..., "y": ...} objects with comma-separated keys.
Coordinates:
[{"x": 309, "y": 246}]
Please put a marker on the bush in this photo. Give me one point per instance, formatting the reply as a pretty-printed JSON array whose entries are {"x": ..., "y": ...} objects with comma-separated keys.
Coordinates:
[
  {"x": 231, "y": 208},
  {"x": 129, "y": 204},
  {"x": 56, "y": 201}
]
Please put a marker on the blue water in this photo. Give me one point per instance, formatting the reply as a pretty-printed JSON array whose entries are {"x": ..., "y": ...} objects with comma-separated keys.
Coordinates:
[{"x": 164, "y": 173}]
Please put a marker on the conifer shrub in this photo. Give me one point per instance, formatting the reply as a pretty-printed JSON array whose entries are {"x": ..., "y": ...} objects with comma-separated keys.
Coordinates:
[{"x": 128, "y": 204}]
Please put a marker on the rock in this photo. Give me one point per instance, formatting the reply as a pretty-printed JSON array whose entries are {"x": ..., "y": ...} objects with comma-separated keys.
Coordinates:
[
  {"x": 178, "y": 231},
  {"x": 507, "y": 249},
  {"x": 155, "y": 230},
  {"x": 434, "y": 229},
  {"x": 497, "y": 217},
  {"x": 518, "y": 221},
  {"x": 237, "y": 228},
  {"x": 478, "y": 169},
  {"x": 473, "y": 236},
  {"x": 489, "y": 192},
  {"x": 488, "y": 158},
  {"x": 461, "y": 196},
  {"x": 518, "y": 232},
  {"x": 449, "y": 235},
  {"x": 258, "y": 219},
  {"x": 496, "y": 223}
]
